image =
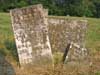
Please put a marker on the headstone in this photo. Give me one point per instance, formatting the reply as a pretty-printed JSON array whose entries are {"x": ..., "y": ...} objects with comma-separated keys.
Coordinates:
[
  {"x": 31, "y": 35},
  {"x": 63, "y": 31},
  {"x": 36, "y": 35}
]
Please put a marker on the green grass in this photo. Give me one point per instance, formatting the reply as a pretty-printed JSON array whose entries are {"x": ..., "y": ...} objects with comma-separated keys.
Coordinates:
[
  {"x": 5, "y": 24},
  {"x": 93, "y": 31},
  {"x": 7, "y": 44},
  {"x": 92, "y": 36}
]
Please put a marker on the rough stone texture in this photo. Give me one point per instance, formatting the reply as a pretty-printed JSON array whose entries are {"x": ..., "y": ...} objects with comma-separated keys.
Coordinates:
[
  {"x": 33, "y": 29},
  {"x": 31, "y": 35},
  {"x": 63, "y": 31}
]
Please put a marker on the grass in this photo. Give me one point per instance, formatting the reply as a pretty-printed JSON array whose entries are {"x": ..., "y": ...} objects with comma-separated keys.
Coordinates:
[
  {"x": 92, "y": 37},
  {"x": 93, "y": 31},
  {"x": 7, "y": 44},
  {"x": 5, "y": 24}
]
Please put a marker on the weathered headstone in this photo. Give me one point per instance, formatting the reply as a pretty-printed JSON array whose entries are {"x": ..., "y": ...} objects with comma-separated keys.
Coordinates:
[
  {"x": 31, "y": 35},
  {"x": 63, "y": 31},
  {"x": 36, "y": 35}
]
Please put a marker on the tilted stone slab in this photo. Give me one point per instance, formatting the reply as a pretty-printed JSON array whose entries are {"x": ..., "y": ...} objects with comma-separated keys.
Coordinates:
[
  {"x": 31, "y": 35},
  {"x": 33, "y": 29}
]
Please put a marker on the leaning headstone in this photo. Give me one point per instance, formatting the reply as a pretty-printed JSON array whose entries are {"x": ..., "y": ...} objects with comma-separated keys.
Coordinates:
[{"x": 31, "y": 35}]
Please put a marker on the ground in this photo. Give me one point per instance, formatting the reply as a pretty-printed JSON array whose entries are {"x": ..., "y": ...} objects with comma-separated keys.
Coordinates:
[{"x": 8, "y": 49}]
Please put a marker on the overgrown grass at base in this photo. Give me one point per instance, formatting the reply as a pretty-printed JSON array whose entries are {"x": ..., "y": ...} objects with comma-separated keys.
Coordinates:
[{"x": 8, "y": 48}]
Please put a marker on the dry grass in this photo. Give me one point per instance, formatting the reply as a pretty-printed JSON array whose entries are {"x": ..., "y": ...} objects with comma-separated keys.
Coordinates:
[
  {"x": 91, "y": 66},
  {"x": 92, "y": 42}
]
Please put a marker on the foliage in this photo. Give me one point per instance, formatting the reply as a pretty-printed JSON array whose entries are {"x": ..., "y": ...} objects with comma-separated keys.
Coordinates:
[
  {"x": 89, "y": 8},
  {"x": 7, "y": 45}
]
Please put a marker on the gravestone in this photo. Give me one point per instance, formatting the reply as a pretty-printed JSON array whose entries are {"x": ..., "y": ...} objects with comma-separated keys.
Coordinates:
[
  {"x": 63, "y": 31},
  {"x": 36, "y": 35},
  {"x": 31, "y": 35}
]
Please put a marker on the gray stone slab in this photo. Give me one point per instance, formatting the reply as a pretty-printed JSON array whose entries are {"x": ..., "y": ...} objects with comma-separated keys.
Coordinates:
[{"x": 31, "y": 35}]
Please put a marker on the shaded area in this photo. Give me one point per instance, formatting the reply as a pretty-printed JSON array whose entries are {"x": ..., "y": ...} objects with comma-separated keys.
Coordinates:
[
  {"x": 66, "y": 52},
  {"x": 11, "y": 47},
  {"x": 5, "y": 67}
]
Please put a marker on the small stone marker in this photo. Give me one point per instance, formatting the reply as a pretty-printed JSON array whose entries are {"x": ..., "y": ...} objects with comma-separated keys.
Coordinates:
[{"x": 31, "y": 35}]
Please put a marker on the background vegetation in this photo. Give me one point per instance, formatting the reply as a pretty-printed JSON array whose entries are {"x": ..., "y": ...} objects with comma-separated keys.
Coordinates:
[
  {"x": 80, "y": 8},
  {"x": 7, "y": 43},
  {"x": 8, "y": 49},
  {"x": 89, "y": 8}
]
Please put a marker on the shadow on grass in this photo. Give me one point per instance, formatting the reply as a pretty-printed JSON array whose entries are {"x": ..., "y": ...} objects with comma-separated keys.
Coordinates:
[
  {"x": 5, "y": 67},
  {"x": 11, "y": 47}
]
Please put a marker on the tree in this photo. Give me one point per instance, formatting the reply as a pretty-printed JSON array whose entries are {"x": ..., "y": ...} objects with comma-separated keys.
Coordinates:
[
  {"x": 89, "y": 8},
  {"x": 97, "y": 8}
]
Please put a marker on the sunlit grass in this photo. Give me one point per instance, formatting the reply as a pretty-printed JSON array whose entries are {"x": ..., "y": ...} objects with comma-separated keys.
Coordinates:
[
  {"x": 5, "y": 24},
  {"x": 7, "y": 44},
  {"x": 6, "y": 36},
  {"x": 93, "y": 31},
  {"x": 92, "y": 36}
]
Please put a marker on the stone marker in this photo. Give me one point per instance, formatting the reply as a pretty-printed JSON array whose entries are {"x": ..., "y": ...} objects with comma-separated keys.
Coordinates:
[
  {"x": 63, "y": 31},
  {"x": 31, "y": 35},
  {"x": 36, "y": 34}
]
